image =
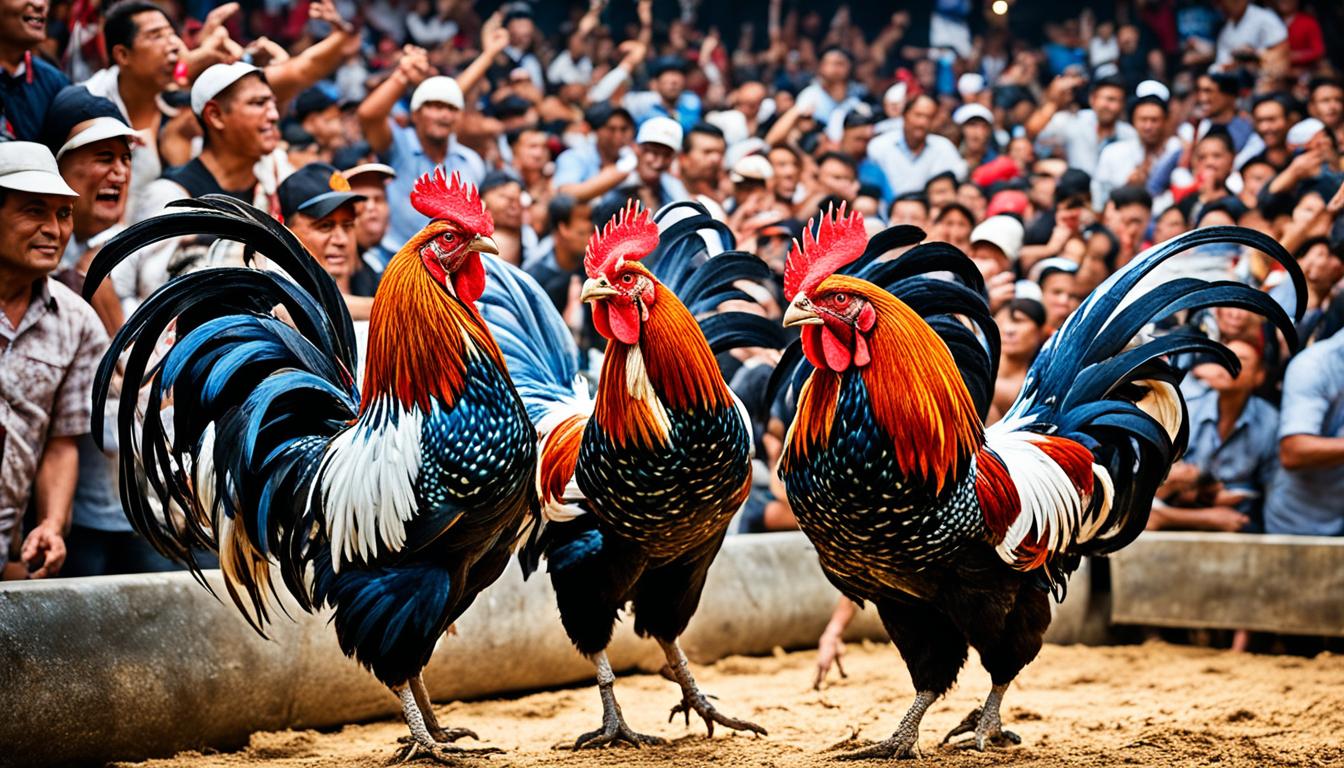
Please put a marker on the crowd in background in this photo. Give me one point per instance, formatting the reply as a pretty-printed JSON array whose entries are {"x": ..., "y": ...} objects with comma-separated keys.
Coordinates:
[{"x": 1051, "y": 156}]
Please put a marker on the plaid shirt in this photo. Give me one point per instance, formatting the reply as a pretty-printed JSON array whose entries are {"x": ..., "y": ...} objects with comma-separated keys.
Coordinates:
[{"x": 47, "y": 365}]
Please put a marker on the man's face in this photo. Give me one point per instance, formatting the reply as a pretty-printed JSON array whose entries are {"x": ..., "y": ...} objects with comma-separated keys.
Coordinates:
[
  {"x": 1250, "y": 376},
  {"x": 854, "y": 141},
  {"x": 1132, "y": 220},
  {"x": 749, "y": 98},
  {"x": 833, "y": 67},
  {"x": 34, "y": 230},
  {"x": 154, "y": 51},
  {"x": 1234, "y": 8},
  {"x": 1149, "y": 122},
  {"x": 529, "y": 152},
  {"x": 331, "y": 239},
  {"x": 505, "y": 204},
  {"x": 101, "y": 173},
  {"x": 434, "y": 122},
  {"x": 1209, "y": 101},
  {"x": 246, "y": 118},
  {"x": 785, "y": 166},
  {"x": 521, "y": 32},
  {"x": 616, "y": 133},
  {"x": 941, "y": 192},
  {"x": 23, "y": 23},
  {"x": 910, "y": 212},
  {"x": 577, "y": 230},
  {"x": 654, "y": 160},
  {"x": 1069, "y": 213},
  {"x": 1108, "y": 102},
  {"x": 975, "y": 135},
  {"x": 371, "y": 215},
  {"x": 669, "y": 85},
  {"x": 836, "y": 178},
  {"x": 1212, "y": 159},
  {"x": 1254, "y": 177},
  {"x": 703, "y": 161},
  {"x": 1322, "y": 268},
  {"x": 1271, "y": 122},
  {"x": 326, "y": 126},
  {"x": 1327, "y": 105},
  {"x": 918, "y": 121},
  {"x": 989, "y": 258}
]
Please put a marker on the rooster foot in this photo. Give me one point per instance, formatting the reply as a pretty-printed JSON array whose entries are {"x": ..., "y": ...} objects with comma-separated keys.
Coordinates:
[
  {"x": 694, "y": 700},
  {"x": 444, "y": 735},
  {"x": 985, "y": 725},
  {"x": 614, "y": 731},
  {"x": 901, "y": 746},
  {"x": 443, "y": 753}
]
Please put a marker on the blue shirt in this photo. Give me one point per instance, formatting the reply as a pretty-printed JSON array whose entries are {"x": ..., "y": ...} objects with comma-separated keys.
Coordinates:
[
  {"x": 646, "y": 104},
  {"x": 577, "y": 165},
  {"x": 1311, "y": 501},
  {"x": 1246, "y": 460},
  {"x": 25, "y": 103},
  {"x": 409, "y": 160}
]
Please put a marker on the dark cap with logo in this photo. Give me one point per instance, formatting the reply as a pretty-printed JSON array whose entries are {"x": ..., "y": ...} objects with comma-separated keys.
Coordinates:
[{"x": 315, "y": 190}]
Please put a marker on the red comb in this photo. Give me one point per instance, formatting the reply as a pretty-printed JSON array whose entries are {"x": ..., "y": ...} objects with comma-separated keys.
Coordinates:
[
  {"x": 454, "y": 200},
  {"x": 630, "y": 235},
  {"x": 840, "y": 240}
]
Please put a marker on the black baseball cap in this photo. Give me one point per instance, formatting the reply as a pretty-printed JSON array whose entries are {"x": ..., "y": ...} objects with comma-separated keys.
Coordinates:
[
  {"x": 312, "y": 100},
  {"x": 74, "y": 105},
  {"x": 1074, "y": 182},
  {"x": 667, "y": 63},
  {"x": 495, "y": 179},
  {"x": 600, "y": 114},
  {"x": 315, "y": 190},
  {"x": 510, "y": 106}
]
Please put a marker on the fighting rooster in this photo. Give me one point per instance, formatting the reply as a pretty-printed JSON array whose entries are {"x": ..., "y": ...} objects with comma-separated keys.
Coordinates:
[
  {"x": 395, "y": 503},
  {"x": 956, "y": 532},
  {"x": 638, "y": 487}
]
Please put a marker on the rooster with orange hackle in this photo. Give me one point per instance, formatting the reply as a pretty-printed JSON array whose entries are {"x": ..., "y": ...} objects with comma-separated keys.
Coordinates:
[
  {"x": 959, "y": 533},
  {"x": 394, "y": 503},
  {"x": 639, "y": 485}
]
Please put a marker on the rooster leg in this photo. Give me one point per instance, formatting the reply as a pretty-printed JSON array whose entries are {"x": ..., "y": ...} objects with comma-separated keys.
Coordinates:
[
  {"x": 440, "y": 734},
  {"x": 985, "y": 723},
  {"x": 693, "y": 699},
  {"x": 613, "y": 727},
  {"x": 422, "y": 743},
  {"x": 905, "y": 741}
]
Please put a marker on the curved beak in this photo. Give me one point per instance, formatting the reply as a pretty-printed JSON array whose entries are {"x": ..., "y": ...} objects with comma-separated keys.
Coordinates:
[
  {"x": 597, "y": 288},
  {"x": 800, "y": 313},
  {"x": 482, "y": 244}
]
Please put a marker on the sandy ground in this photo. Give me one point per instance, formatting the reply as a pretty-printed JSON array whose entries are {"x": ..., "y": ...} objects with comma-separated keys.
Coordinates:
[{"x": 1152, "y": 704}]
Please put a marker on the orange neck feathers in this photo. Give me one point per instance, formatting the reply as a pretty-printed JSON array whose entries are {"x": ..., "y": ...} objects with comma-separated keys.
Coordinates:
[
  {"x": 420, "y": 337},
  {"x": 917, "y": 394},
  {"x": 678, "y": 372}
]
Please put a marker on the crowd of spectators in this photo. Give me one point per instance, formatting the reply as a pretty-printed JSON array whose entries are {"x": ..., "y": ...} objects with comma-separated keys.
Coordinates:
[{"x": 1050, "y": 153}]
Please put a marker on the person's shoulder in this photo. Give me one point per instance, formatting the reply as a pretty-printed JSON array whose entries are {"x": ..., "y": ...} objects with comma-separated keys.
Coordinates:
[
  {"x": 72, "y": 308},
  {"x": 48, "y": 74},
  {"x": 941, "y": 143}
]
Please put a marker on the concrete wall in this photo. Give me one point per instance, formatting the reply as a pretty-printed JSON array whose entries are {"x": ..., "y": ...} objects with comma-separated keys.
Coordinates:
[
  {"x": 139, "y": 666},
  {"x": 1285, "y": 584}
]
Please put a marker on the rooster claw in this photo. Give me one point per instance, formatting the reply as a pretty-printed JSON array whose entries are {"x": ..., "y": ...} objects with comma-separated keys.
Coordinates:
[
  {"x": 987, "y": 731},
  {"x": 443, "y": 753},
  {"x": 615, "y": 732},
  {"x": 444, "y": 735},
  {"x": 899, "y": 747},
  {"x": 700, "y": 704}
]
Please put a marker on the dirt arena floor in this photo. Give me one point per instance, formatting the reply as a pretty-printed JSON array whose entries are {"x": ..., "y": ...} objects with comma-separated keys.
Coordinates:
[{"x": 1148, "y": 705}]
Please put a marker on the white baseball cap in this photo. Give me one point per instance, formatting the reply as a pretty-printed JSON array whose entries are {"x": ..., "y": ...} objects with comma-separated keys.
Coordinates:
[
  {"x": 1006, "y": 232},
  {"x": 660, "y": 130},
  {"x": 753, "y": 167},
  {"x": 970, "y": 84},
  {"x": 438, "y": 88},
  {"x": 1303, "y": 132},
  {"x": 967, "y": 112},
  {"x": 216, "y": 79},
  {"x": 98, "y": 129},
  {"x": 27, "y": 166},
  {"x": 1152, "y": 88},
  {"x": 896, "y": 93},
  {"x": 378, "y": 168}
]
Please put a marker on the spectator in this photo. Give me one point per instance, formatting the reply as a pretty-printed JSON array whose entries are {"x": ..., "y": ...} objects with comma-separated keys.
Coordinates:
[
  {"x": 652, "y": 182},
  {"x": 319, "y": 114},
  {"x": 911, "y": 208},
  {"x": 1134, "y": 161},
  {"x": 995, "y": 245},
  {"x": 787, "y": 163},
  {"x": 1323, "y": 267},
  {"x": 1067, "y": 217},
  {"x": 503, "y": 198},
  {"x": 667, "y": 95},
  {"x": 1311, "y": 444},
  {"x": 27, "y": 82},
  {"x": 1057, "y": 278},
  {"x": 522, "y": 37},
  {"x": 837, "y": 175},
  {"x": 1221, "y": 482},
  {"x": 51, "y": 342},
  {"x": 1021, "y": 323},
  {"x": 1251, "y": 35},
  {"x": 429, "y": 141},
  {"x": 1270, "y": 115},
  {"x": 558, "y": 269},
  {"x": 952, "y": 224},
  {"x": 941, "y": 190},
  {"x": 532, "y": 163},
  {"x": 1083, "y": 134},
  {"x": 594, "y": 168},
  {"x": 1216, "y": 105},
  {"x": 977, "y": 134},
  {"x": 1326, "y": 103},
  {"x": 1127, "y": 215},
  {"x": 911, "y": 156},
  {"x": 832, "y": 90},
  {"x": 701, "y": 165},
  {"x": 370, "y": 181},
  {"x": 1306, "y": 45}
]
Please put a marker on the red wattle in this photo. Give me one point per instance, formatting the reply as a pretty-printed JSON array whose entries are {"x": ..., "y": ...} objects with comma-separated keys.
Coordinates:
[
  {"x": 861, "y": 356},
  {"x": 624, "y": 322},
  {"x": 811, "y": 339},
  {"x": 469, "y": 279},
  {"x": 838, "y": 357},
  {"x": 600, "y": 321}
]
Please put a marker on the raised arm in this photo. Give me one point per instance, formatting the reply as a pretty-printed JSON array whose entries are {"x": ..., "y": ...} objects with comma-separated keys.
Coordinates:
[
  {"x": 288, "y": 78},
  {"x": 373, "y": 112}
]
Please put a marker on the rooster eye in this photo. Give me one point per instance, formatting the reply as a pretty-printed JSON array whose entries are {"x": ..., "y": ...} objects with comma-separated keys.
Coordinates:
[
  {"x": 447, "y": 237},
  {"x": 627, "y": 278},
  {"x": 841, "y": 299}
]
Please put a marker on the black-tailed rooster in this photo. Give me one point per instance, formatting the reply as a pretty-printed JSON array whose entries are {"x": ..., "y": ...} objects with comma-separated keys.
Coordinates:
[
  {"x": 956, "y": 532},
  {"x": 639, "y": 486},
  {"x": 395, "y": 503}
]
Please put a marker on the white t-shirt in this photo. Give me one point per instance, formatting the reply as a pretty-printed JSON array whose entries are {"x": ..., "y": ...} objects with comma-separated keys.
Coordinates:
[{"x": 1259, "y": 28}]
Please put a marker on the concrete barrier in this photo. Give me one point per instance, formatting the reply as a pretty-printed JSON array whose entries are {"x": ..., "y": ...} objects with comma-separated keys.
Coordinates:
[
  {"x": 1269, "y": 583},
  {"x": 132, "y": 667}
]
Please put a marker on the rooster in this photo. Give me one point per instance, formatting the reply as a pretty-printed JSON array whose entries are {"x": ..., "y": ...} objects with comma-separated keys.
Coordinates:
[
  {"x": 958, "y": 533},
  {"x": 639, "y": 485},
  {"x": 394, "y": 503}
]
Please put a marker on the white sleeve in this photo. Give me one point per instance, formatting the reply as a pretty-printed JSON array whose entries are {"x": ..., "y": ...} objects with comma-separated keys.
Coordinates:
[{"x": 605, "y": 87}]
